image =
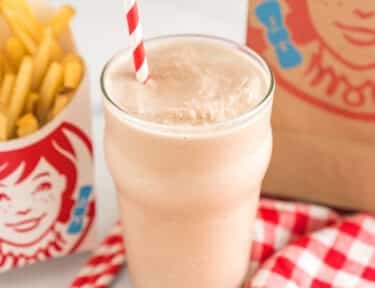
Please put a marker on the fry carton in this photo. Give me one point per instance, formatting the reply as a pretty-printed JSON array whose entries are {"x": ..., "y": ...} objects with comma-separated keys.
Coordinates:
[
  {"x": 47, "y": 204},
  {"x": 323, "y": 57}
]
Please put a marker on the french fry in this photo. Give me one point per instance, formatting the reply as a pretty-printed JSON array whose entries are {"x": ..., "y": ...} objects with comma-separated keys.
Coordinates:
[
  {"x": 60, "y": 103},
  {"x": 3, "y": 123},
  {"x": 49, "y": 88},
  {"x": 1, "y": 67},
  {"x": 27, "y": 125},
  {"x": 18, "y": 30},
  {"x": 22, "y": 14},
  {"x": 6, "y": 88},
  {"x": 61, "y": 19},
  {"x": 3, "y": 127},
  {"x": 20, "y": 5},
  {"x": 26, "y": 40},
  {"x": 73, "y": 71},
  {"x": 42, "y": 59},
  {"x": 15, "y": 51},
  {"x": 20, "y": 91},
  {"x": 57, "y": 51},
  {"x": 8, "y": 66},
  {"x": 32, "y": 99}
]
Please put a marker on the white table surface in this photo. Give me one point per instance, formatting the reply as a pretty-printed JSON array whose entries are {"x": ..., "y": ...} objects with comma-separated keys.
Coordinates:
[{"x": 100, "y": 31}]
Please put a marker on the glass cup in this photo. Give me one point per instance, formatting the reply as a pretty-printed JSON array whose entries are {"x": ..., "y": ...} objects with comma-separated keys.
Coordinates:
[{"x": 188, "y": 195}]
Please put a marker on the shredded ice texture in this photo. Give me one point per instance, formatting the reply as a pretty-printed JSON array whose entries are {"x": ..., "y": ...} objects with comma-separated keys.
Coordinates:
[{"x": 193, "y": 82}]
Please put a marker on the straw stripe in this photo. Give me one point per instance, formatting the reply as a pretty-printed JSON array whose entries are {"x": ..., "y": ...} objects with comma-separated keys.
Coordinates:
[
  {"x": 139, "y": 53},
  {"x": 136, "y": 41},
  {"x": 104, "y": 281},
  {"x": 111, "y": 258},
  {"x": 112, "y": 247},
  {"x": 103, "y": 277},
  {"x": 129, "y": 5},
  {"x": 133, "y": 18},
  {"x": 136, "y": 37},
  {"x": 143, "y": 70},
  {"x": 96, "y": 268}
]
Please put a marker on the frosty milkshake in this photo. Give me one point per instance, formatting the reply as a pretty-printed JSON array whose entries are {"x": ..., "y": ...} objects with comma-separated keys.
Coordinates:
[{"x": 188, "y": 152}]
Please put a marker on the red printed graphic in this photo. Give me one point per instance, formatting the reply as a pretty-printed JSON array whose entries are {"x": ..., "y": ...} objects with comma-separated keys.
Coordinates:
[
  {"x": 39, "y": 186},
  {"x": 336, "y": 40}
]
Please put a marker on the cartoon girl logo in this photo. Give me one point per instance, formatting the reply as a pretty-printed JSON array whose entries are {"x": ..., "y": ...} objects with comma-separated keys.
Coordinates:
[
  {"x": 46, "y": 206},
  {"x": 326, "y": 46}
]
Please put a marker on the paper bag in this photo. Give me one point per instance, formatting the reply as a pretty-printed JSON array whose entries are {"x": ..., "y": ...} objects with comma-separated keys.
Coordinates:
[{"x": 323, "y": 56}]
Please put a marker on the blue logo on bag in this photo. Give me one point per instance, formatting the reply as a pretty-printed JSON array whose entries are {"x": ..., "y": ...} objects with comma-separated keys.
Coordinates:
[
  {"x": 270, "y": 15},
  {"x": 80, "y": 209}
]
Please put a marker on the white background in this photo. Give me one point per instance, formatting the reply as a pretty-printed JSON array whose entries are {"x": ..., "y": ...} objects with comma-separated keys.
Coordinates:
[{"x": 100, "y": 31}]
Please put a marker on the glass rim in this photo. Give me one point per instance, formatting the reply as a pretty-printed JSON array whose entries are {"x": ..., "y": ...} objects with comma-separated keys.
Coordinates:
[{"x": 225, "y": 125}]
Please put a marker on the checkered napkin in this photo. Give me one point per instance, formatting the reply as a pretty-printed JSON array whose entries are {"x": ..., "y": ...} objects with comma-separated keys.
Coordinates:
[{"x": 295, "y": 245}]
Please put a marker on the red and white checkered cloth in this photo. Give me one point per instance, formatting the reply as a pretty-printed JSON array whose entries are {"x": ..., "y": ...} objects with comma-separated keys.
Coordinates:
[{"x": 295, "y": 245}]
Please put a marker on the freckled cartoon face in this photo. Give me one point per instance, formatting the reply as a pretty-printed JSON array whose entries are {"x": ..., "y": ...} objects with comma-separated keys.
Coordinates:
[
  {"x": 28, "y": 209},
  {"x": 346, "y": 26}
]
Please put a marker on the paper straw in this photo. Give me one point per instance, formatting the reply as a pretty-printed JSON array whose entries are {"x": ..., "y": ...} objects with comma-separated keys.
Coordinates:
[
  {"x": 105, "y": 263},
  {"x": 136, "y": 41}
]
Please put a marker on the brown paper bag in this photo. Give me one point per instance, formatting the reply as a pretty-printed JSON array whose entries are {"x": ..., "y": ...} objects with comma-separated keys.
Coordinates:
[{"x": 323, "y": 56}]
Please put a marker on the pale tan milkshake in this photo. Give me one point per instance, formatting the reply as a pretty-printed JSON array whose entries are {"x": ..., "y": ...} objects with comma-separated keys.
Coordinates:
[{"x": 188, "y": 152}]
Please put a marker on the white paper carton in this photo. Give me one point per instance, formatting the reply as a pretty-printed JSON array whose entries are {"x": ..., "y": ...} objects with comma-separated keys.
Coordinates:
[{"x": 47, "y": 204}]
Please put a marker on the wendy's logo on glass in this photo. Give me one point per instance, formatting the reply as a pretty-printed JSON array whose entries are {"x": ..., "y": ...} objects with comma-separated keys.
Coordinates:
[{"x": 321, "y": 51}]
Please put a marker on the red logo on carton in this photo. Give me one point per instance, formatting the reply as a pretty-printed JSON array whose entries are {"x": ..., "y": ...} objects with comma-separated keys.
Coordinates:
[
  {"x": 39, "y": 187},
  {"x": 323, "y": 52}
]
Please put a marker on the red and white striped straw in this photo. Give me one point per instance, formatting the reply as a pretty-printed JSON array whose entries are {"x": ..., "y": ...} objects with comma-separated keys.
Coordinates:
[
  {"x": 136, "y": 41},
  {"x": 105, "y": 264}
]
